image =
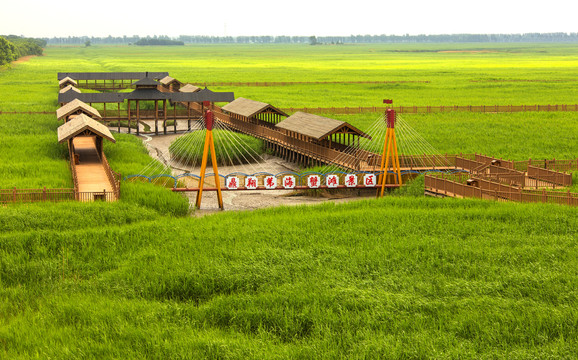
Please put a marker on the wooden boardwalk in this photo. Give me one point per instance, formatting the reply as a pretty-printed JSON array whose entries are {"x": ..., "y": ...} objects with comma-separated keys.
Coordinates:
[{"x": 90, "y": 170}]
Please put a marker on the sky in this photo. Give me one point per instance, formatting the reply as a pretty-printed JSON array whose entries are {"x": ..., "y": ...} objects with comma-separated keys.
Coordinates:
[{"x": 102, "y": 18}]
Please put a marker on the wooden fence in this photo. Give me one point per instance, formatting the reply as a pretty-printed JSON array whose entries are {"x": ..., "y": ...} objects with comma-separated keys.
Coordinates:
[
  {"x": 553, "y": 164},
  {"x": 436, "y": 109},
  {"x": 551, "y": 176},
  {"x": 289, "y": 83},
  {"x": 371, "y": 109},
  {"x": 454, "y": 185},
  {"x": 113, "y": 177},
  {"x": 494, "y": 161},
  {"x": 8, "y": 196}
]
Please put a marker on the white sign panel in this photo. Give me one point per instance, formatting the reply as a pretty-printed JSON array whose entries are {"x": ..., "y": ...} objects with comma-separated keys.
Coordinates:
[
  {"x": 313, "y": 181},
  {"x": 332, "y": 181},
  {"x": 232, "y": 183},
  {"x": 369, "y": 180},
  {"x": 351, "y": 180},
  {"x": 270, "y": 182},
  {"x": 251, "y": 182},
  {"x": 289, "y": 182}
]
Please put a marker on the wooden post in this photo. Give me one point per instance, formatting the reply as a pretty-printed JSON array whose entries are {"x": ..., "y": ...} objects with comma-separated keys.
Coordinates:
[
  {"x": 137, "y": 116},
  {"x": 118, "y": 117},
  {"x": 129, "y": 114},
  {"x": 209, "y": 146},
  {"x": 165, "y": 117},
  {"x": 156, "y": 117},
  {"x": 188, "y": 116},
  {"x": 175, "y": 117}
]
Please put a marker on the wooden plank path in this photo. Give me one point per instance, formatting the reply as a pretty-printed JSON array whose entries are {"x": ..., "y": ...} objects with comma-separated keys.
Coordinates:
[{"x": 90, "y": 170}]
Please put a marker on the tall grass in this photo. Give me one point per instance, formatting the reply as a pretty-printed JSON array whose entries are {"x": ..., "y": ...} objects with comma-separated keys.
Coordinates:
[
  {"x": 394, "y": 278},
  {"x": 400, "y": 277}
]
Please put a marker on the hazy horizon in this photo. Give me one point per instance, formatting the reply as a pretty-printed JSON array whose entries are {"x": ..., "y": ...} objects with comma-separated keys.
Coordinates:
[{"x": 300, "y": 18}]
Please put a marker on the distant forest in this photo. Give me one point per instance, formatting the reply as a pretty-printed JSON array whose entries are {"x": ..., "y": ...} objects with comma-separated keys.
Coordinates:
[
  {"x": 316, "y": 40},
  {"x": 13, "y": 47}
]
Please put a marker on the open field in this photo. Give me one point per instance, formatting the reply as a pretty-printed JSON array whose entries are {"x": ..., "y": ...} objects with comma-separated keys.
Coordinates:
[
  {"x": 455, "y": 78},
  {"x": 400, "y": 277}
]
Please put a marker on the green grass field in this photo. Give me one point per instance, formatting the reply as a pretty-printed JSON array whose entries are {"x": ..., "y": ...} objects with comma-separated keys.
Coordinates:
[{"x": 404, "y": 277}]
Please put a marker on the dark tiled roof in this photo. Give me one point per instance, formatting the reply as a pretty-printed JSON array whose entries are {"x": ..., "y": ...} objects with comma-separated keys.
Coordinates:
[
  {"x": 147, "y": 81},
  {"x": 200, "y": 97},
  {"x": 147, "y": 94},
  {"x": 91, "y": 97},
  {"x": 111, "y": 75}
]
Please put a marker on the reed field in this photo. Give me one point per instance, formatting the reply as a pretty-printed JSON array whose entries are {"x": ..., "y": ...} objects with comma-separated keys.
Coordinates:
[{"x": 403, "y": 277}]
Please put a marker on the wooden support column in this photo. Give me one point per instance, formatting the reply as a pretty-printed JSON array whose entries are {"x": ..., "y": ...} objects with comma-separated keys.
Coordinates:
[
  {"x": 137, "y": 116},
  {"x": 156, "y": 117},
  {"x": 175, "y": 117},
  {"x": 129, "y": 115},
  {"x": 118, "y": 117},
  {"x": 165, "y": 117},
  {"x": 188, "y": 116}
]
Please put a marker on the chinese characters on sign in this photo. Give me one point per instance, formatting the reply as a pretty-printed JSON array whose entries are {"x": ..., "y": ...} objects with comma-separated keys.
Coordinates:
[
  {"x": 270, "y": 182},
  {"x": 232, "y": 183},
  {"x": 289, "y": 182},
  {"x": 351, "y": 180},
  {"x": 332, "y": 181},
  {"x": 313, "y": 181},
  {"x": 369, "y": 180},
  {"x": 251, "y": 182}
]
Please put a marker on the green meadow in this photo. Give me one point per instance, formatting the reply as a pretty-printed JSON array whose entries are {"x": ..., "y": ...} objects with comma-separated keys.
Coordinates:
[{"x": 403, "y": 277}]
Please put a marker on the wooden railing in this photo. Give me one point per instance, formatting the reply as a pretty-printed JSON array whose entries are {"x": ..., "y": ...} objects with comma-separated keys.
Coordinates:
[
  {"x": 453, "y": 185},
  {"x": 506, "y": 175},
  {"x": 8, "y": 196},
  {"x": 494, "y": 161},
  {"x": 553, "y": 164},
  {"x": 551, "y": 176},
  {"x": 113, "y": 177},
  {"x": 289, "y": 83},
  {"x": 435, "y": 109},
  {"x": 467, "y": 164},
  {"x": 72, "y": 161},
  {"x": 36, "y": 195}
]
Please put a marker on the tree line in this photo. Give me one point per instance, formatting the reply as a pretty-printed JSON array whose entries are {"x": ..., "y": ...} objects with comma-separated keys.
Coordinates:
[
  {"x": 149, "y": 42},
  {"x": 351, "y": 39},
  {"x": 13, "y": 47}
]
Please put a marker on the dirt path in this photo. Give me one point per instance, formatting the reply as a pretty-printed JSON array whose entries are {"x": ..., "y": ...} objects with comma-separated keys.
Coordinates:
[
  {"x": 23, "y": 59},
  {"x": 244, "y": 200}
]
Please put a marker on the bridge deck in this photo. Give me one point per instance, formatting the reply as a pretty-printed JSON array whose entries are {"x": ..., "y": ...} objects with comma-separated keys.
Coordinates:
[{"x": 90, "y": 170}]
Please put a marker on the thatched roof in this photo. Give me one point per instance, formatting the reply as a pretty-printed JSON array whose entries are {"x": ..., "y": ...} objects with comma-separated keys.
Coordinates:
[
  {"x": 81, "y": 123},
  {"x": 189, "y": 88},
  {"x": 69, "y": 87},
  {"x": 317, "y": 127},
  {"x": 67, "y": 80},
  {"x": 167, "y": 80},
  {"x": 74, "y": 106},
  {"x": 249, "y": 108}
]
